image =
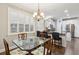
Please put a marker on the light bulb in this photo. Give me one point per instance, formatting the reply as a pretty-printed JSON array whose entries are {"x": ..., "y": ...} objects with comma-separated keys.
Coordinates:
[
  {"x": 42, "y": 14},
  {"x": 34, "y": 14}
]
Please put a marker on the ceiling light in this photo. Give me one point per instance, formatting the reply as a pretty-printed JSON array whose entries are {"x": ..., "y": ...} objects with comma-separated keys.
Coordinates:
[
  {"x": 66, "y": 11},
  {"x": 38, "y": 15}
]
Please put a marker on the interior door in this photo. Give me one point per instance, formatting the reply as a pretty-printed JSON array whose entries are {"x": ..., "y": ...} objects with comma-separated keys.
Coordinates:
[{"x": 72, "y": 30}]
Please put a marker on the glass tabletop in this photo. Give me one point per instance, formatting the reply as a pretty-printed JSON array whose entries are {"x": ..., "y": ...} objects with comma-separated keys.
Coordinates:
[{"x": 29, "y": 43}]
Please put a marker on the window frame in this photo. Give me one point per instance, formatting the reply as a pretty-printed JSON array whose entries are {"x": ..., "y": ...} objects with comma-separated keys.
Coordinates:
[{"x": 9, "y": 23}]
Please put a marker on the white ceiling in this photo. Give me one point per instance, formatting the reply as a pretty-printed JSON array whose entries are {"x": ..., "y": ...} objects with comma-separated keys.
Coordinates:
[{"x": 52, "y": 9}]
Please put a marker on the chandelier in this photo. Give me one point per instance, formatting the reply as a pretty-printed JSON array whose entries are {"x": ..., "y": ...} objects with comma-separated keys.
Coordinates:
[{"x": 39, "y": 15}]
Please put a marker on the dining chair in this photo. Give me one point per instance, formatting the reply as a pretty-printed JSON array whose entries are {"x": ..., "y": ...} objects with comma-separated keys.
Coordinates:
[
  {"x": 44, "y": 50},
  {"x": 48, "y": 48},
  {"x": 38, "y": 33},
  {"x": 57, "y": 39},
  {"x": 43, "y": 34},
  {"x": 22, "y": 36},
  {"x": 16, "y": 51}
]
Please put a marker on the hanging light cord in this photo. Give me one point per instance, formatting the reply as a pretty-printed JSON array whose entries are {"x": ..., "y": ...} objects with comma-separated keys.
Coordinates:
[{"x": 38, "y": 4}]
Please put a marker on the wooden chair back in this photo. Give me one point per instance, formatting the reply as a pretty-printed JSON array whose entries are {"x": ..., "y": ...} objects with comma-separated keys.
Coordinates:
[
  {"x": 6, "y": 45},
  {"x": 22, "y": 36},
  {"x": 48, "y": 47},
  {"x": 42, "y": 34}
]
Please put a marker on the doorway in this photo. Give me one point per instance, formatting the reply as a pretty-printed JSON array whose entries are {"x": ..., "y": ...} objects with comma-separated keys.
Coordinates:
[{"x": 72, "y": 30}]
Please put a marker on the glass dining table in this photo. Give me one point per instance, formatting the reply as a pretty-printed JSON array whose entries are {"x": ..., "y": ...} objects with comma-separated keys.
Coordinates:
[{"x": 29, "y": 44}]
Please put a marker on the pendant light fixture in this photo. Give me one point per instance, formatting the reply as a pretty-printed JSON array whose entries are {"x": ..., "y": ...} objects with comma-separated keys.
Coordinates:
[{"x": 39, "y": 15}]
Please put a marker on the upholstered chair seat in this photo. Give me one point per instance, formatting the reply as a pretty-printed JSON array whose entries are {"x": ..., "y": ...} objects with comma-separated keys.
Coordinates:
[
  {"x": 18, "y": 52},
  {"x": 38, "y": 51}
]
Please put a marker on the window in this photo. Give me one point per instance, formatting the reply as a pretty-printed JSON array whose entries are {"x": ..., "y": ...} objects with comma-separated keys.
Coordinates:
[
  {"x": 26, "y": 27},
  {"x": 19, "y": 21},
  {"x": 21, "y": 27},
  {"x": 31, "y": 27},
  {"x": 13, "y": 28}
]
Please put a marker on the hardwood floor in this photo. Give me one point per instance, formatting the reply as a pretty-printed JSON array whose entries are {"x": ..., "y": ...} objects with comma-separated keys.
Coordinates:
[{"x": 72, "y": 48}]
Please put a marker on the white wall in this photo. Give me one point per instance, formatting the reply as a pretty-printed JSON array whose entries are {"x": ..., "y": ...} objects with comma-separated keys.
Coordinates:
[
  {"x": 39, "y": 25},
  {"x": 59, "y": 22},
  {"x": 3, "y": 23}
]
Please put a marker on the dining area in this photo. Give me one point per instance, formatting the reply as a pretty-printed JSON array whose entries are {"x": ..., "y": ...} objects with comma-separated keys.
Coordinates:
[
  {"x": 35, "y": 45},
  {"x": 39, "y": 29},
  {"x": 22, "y": 34}
]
